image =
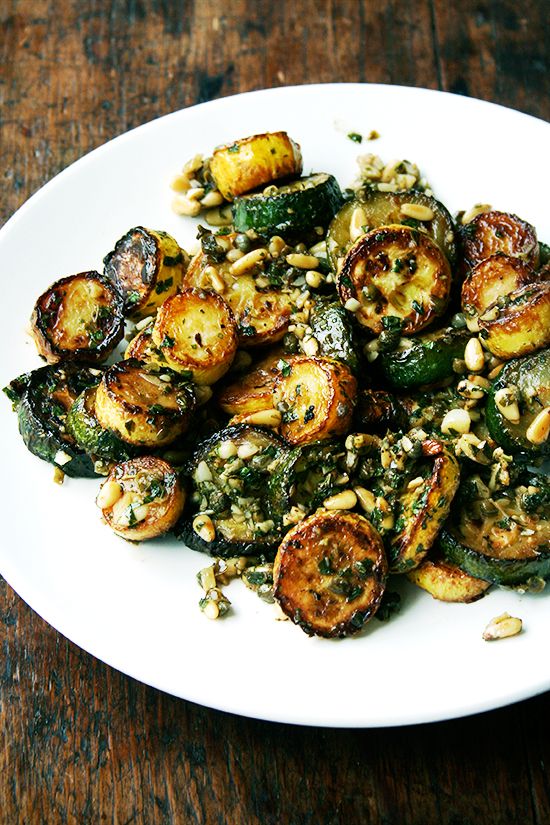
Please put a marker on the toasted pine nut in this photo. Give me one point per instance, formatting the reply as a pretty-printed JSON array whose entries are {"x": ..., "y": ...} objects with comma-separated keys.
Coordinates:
[
  {"x": 387, "y": 522},
  {"x": 468, "y": 389},
  {"x": 346, "y": 500},
  {"x": 539, "y": 428},
  {"x": 276, "y": 245},
  {"x": 357, "y": 223},
  {"x": 211, "y": 610},
  {"x": 207, "y": 578},
  {"x": 181, "y": 205},
  {"x": 247, "y": 450},
  {"x": 264, "y": 418},
  {"x": 474, "y": 211},
  {"x": 417, "y": 211},
  {"x": 310, "y": 345},
  {"x": 495, "y": 371},
  {"x": 140, "y": 512},
  {"x": 456, "y": 421},
  {"x": 473, "y": 355},
  {"x": 314, "y": 279},
  {"x": 352, "y": 305},
  {"x": 414, "y": 483},
  {"x": 501, "y": 627},
  {"x": 234, "y": 255},
  {"x": 213, "y": 198},
  {"x": 366, "y": 499},
  {"x": 248, "y": 261},
  {"x": 217, "y": 282},
  {"x": 108, "y": 495},
  {"x": 219, "y": 216},
  {"x": 204, "y": 527},
  {"x": 203, "y": 472},
  {"x": 302, "y": 261},
  {"x": 506, "y": 401},
  {"x": 179, "y": 183},
  {"x": 195, "y": 193},
  {"x": 227, "y": 449}
]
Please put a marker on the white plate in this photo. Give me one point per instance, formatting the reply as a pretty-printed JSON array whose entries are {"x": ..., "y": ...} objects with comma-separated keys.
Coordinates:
[{"x": 136, "y": 607}]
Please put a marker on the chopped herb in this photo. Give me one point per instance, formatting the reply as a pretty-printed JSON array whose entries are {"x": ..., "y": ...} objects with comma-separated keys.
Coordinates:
[
  {"x": 390, "y": 605},
  {"x": 392, "y": 322},
  {"x": 133, "y": 298},
  {"x": 397, "y": 265},
  {"x": 418, "y": 308},
  {"x": 355, "y": 137},
  {"x": 247, "y": 330},
  {"x": 167, "y": 341},
  {"x": 234, "y": 149},
  {"x": 163, "y": 286},
  {"x": 325, "y": 566},
  {"x": 157, "y": 409},
  {"x": 285, "y": 367},
  {"x": 364, "y": 568},
  {"x": 309, "y": 414},
  {"x": 173, "y": 261}
]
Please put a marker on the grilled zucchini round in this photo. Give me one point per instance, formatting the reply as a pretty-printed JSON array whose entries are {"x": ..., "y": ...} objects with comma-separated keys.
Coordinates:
[
  {"x": 426, "y": 359},
  {"x": 316, "y": 397},
  {"x": 332, "y": 328},
  {"x": 197, "y": 334},
  {"x": 147, "y": 266},
  {"x": 253, "y": 392},
  {"x": 141, "y": 498},
  {"x": 395, "y": 271},
  {"x": 330, "y": 573},
  {"x": 79, "y": 318},
  {"x": 491, "y": 280},
  {"x": 520, "y": 324},
  {"x": 144, "y": 406},
  {"x": 448, "y": 583},
  {"x": 491, "y": 232},
  {"x": 88, "y": 433}
]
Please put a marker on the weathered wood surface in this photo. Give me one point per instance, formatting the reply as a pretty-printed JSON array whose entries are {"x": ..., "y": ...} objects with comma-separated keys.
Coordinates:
[{"x": 81, "y": 743}]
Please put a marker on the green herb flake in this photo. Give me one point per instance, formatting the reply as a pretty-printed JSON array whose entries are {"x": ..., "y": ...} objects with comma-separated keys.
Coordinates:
[
  {"x": 284, "y": 367},
  {"x": 163, "y": 286},
  {"x": 355, "y": 137},
  {"x": 325, "y": 566},
  {"x": 234, "y": 149}
]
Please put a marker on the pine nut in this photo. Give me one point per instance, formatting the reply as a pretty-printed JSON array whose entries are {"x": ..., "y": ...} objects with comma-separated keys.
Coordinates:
[
  {"x": 234, "y": 255},
  {"x": 357, "y": 223},
  {"x": 227, "y": 449},
  {"x": 202, "y": 472},
  {"x": 417, "y": 211},
  {"x": 276, "y": 245},
  {"x": 302, "y": 261},
  {"x": 456, "y": 421},
  {"x": 264, "y": 418},
  {"x": 248, "y": 261},
  {"x": 213, "y": 198},
  {"x": 387, "y": 522},
  {"x": 539, "y": 428},
  {"x": 480, "y": 381},
  {"x": 314, "y": 279},
  {"x": 195, "y": 193},
  {"x": 473, "y": 355},
  {"x": 415, "y": 483},
  {"x": 390, "y": 170},
  {"x": 140, "y": 512},
  {"x": 108, "y": 495},
  {"x": 207, "y": 578},
  {"x": 211, "y": 610},
  {"x": 501, "y": 627},
  {"x": 352, "y": 305},
  {"x": 62, "y": 458},
  {"x": 179, "y": 183},
  {"x": 217, "y": 282},
  {"x": 310, "y": 346},
  {"x": 247, "y": 450},
  {"x": 219, "y": 216},
  {"x": 182, "y": 205},
  {"x": 507, "y": 405},
  {"x": 475, "y": 211},
  {"x": 366, "y": 499},
  {"x": 468, "y": 389},
  {"x": 204, "y": 527},
  {"x": 346, "y": 500},
  {"x": 495, "y": 371}
]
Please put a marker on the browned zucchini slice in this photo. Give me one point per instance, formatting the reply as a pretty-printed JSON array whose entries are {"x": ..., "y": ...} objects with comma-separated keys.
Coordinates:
[
  {"x": 197, "y": 334},
  {"x": 143, "y": 405},
  {"x": 447, "y": 582},
  {"x": 147, "y": 266},
  {"x": 491, "y": 279},
  {"x": 254, "y": 391},
  {"x": 316, "y": 397},
  {"x": 423, "y": 506},
  {"x": 521, "y": 325},
  {"x": 79, "y": 318},
  {"x": 395, "y": 271},
  {"x": 491, "y": 232},
  {"x": 330, "y": 573},
  {"x": 141, "y": 498},
  {"x": 254, "y": 161}
]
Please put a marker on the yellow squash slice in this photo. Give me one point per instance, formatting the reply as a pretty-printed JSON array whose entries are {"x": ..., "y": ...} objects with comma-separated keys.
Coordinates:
[
  {"x": 521, "y": 325},
  {"x": 491, "y": 232},
  {"x": 447, "y": 582},
  {"x": 491, "y": 279},
  {"x": 254, "y": 391}
]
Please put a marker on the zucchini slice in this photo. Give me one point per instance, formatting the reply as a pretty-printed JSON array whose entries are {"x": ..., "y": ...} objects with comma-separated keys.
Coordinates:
[
  {"x": 79, "y": 318},
  {"x": 448, "y": 583},
  {"x": 230, "y": 474},
  {"x": 491, "y": 279},
  {"x": 395, "y": 271},
  {"x": 147, "y": 266},
  {"x": 330, "y": 573},
  {"x": 491, "y": 232},
  {"x": 331, "y": 327},
  {"x": 292, "y": 207},
  {"x": 385, "y": 208},
  {"x": 427, "y": 359},
  {"x": 528, "y": 379},
  {"x": 141, "y": 498},
  {"x": 316, "y": 397},
  {"x": 254, "y": 391},
  {"x": 422, "y": 507},
  {"x": 88, "y": 433},
  {"x": 378, "y": 411},
  {"x": 42, "y": 415},
  {"x": 520, "y": 325},
  {"x": 254, "y": 161},
  {"x": 142, "y": 348},
  {"x": 197, "y": 334},
  {"x": 142, "y": 405}
]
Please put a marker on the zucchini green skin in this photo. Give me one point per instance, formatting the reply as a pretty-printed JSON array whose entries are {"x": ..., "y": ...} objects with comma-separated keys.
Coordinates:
[
  {"x": 531, "y": 376},
  {"x": 88, "y": 433},
  {"x": 428, "y": 361},
  {"x": 295, "y": 207},
  {"x": 331, "y": 326},
  {"x": 544, "y": 254},
  {"x": 224, "y": 548},
  {"x": 42, "y": 417},
  {"x": 499, "y": 571}
]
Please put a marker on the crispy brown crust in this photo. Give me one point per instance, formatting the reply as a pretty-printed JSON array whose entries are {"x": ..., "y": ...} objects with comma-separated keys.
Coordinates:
[
  {"x": 521, "y": 327},
  {"x": 491, "y": 232},
  {"x": 497, "y": 275},
  {"x": 448, "y": 583},
  {"x": 336, "y": 540}
]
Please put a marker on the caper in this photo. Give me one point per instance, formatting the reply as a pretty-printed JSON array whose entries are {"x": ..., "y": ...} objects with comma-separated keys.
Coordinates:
[
  {"x": 388, "y": 340},
  {"x": 458, "y": 321},
  {"x": 242, "y": 242},
  {"x": 371, "y": 292},
  {"x": 291, "y": 343}
]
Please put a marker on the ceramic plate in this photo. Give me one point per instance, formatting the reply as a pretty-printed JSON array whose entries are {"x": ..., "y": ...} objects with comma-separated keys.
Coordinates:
[{"x": 135, "y": 607}]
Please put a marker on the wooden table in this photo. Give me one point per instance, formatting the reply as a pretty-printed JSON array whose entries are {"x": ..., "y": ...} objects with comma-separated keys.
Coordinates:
[{"x": 81, "y": 743}]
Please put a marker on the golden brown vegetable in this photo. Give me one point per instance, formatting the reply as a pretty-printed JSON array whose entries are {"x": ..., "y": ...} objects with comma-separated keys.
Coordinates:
[
  {"x": 254, "y": 161},
  {"x": 79, "y": 318},
  {"x": 197, "y": 333},
  {"x": 254, "y": 391},
  {"x": 395, "y": 271},
  {"x": 316, "y": 397},
  {"x": 491, "y": 279},
  {"x": 330, "y": 573},
  {"x": 521, "y": 325},
  {"x": 491, "y": 232},
  {"x": 447, "y": 582},
  {"x": 141, "y": 498}
]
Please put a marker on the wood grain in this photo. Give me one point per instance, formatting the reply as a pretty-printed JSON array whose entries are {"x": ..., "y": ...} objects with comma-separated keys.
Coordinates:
[{"x": 79, "y": 742}]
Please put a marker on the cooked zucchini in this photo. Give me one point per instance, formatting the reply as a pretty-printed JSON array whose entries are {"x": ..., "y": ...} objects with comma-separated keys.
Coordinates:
[
  {"x": 385, "y": 208},
  {"x": 378, "y": 411},
  {"x": 331, "y": 327},
  {"x": 528, "y": 381},
  {"x": 447, "y": 582},
  {"x": 316, "y": 397},
  {"x": 197, "y": 334},
  {"x": 395, "y": 271},
  {"x": 147, "y": 266},
  {"x": 490, "y": 280},
  {"x": 330, "y": 573},
  {"x": 505, "y": 570},
  {"x": 519, "y": 324},
  {"x": 230, "y": 513},
  {"x": 491, "y": 232},
  {"x": 88, "y": 433},
  {"x": 254, "y": 391},
  {"x": 141, "y": 498},
  {"x": 428, "y": 408},
  {"x": 254, "y": 161},
  {"x": 424, "y": 360},
  {"x": 79, "y": 318},
  {"x": 144, "y": 406},
  {"x": 46, "y": 398},
  {"x": 423, "y": 506},
  {"x": 290, "y": 208},
  {"x": 142, "y": 348}
]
